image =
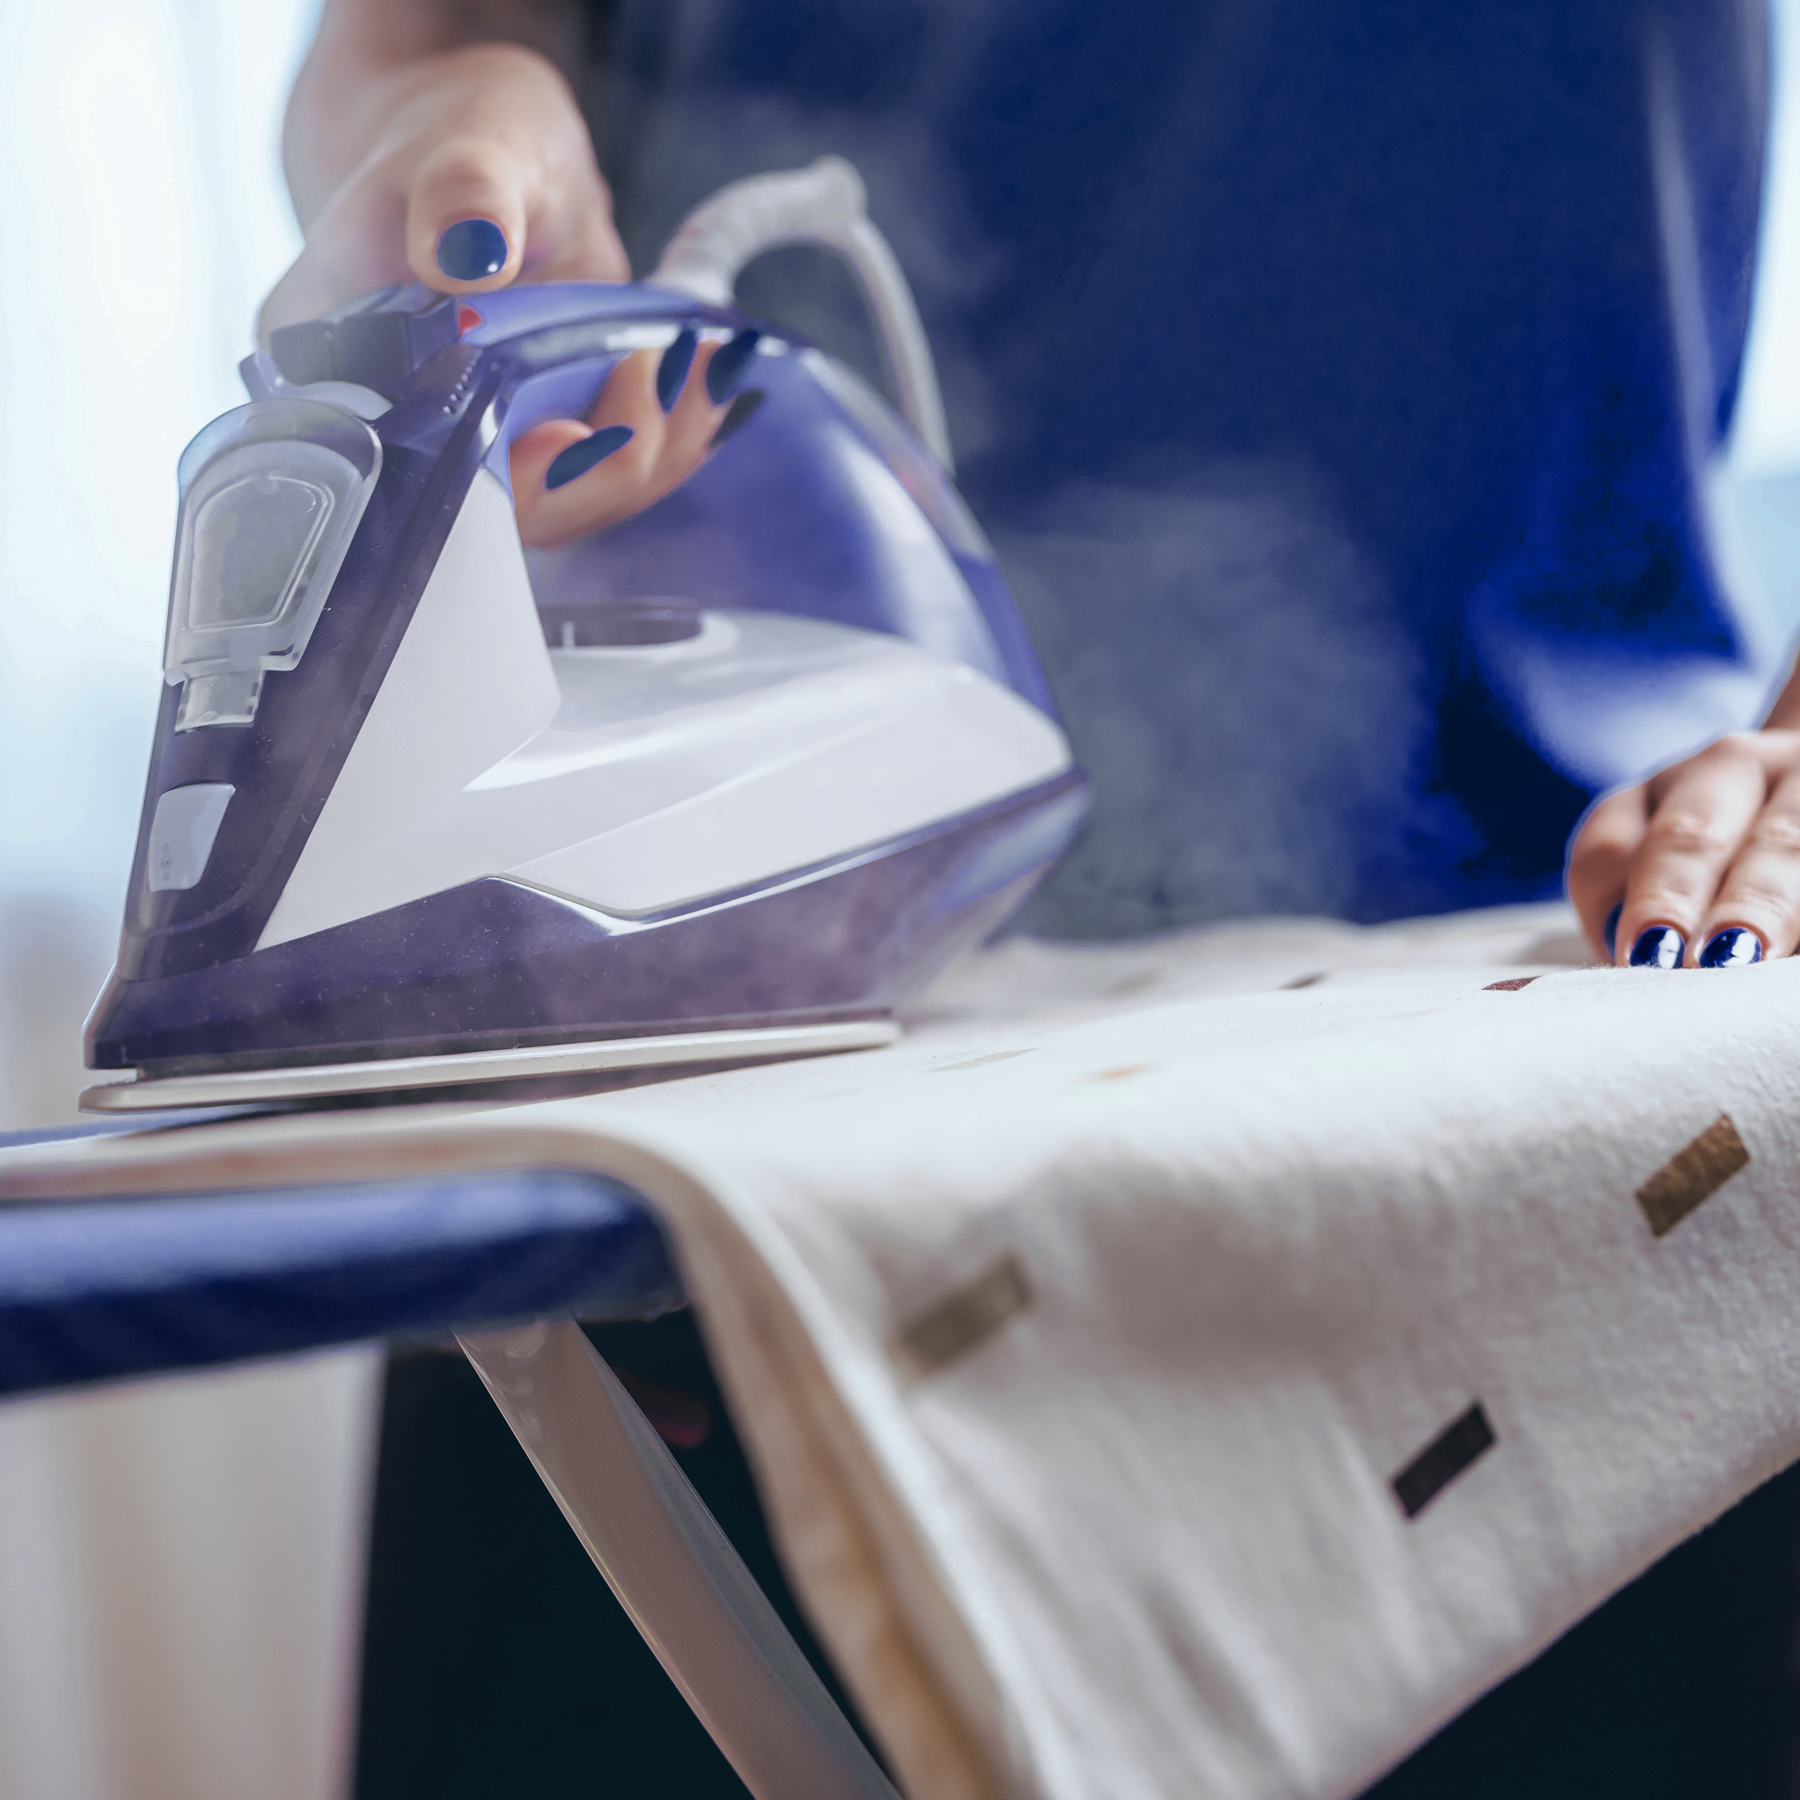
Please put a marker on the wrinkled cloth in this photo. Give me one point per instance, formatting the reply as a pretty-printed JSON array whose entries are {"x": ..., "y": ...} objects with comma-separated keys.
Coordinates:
[{"x": 1196, "y": 1368}]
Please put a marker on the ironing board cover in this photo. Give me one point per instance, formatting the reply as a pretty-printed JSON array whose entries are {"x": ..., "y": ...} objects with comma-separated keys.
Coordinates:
[
  {"x": 117, "y": 1288},
  {"x": 1199, "y": 1367}
]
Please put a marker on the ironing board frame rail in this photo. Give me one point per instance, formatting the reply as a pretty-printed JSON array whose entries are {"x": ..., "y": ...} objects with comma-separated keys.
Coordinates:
[{"x": 674, "y": 1571}]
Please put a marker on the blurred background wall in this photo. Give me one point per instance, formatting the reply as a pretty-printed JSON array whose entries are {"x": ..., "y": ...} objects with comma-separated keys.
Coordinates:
[{"x": 180, "y": 1561}]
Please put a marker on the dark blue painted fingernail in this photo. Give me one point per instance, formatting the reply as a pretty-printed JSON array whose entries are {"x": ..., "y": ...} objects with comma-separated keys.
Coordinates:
[
  {"x": 743, "y": 410},
  {"x": 1660, "y": 947},
  {"x": 1733, "y": 948},
  {"x": 730, "y": 364},
  {"x": 1610, "y": 931},
  {"x": 672, "y": 371},
  {"x": 472, "y": 250},
  {"x": 579, "y": 458}
]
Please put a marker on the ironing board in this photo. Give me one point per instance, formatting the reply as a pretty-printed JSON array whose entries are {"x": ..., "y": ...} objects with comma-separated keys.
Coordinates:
[
  {"x": 143, "y": 1285},
  {"x": 1197, "y": 1367}
]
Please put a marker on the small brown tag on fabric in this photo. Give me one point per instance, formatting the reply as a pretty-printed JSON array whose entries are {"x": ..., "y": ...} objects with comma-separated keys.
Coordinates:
[
  {"x": 1510, "y": 986},
  {"x": 954, "y": 1326},
  {"x": 1692, "y": 1175}
]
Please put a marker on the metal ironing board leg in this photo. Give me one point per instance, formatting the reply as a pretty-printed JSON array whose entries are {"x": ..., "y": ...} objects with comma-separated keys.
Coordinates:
[{"x": 672, "y": 1568}]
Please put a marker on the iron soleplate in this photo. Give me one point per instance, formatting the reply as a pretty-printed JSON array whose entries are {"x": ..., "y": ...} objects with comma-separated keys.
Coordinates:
[{"x": 407, "y": 1074}]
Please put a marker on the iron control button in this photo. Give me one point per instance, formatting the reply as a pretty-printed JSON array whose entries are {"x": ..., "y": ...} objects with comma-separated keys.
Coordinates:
[{"x": 182, "y": 832}]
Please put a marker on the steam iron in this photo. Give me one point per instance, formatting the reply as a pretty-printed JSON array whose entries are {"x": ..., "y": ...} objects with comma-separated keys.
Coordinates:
[{"x": 728, "y": 780}]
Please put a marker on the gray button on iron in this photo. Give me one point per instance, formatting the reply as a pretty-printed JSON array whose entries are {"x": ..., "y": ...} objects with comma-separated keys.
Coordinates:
[{"x": 182, "y": 832}]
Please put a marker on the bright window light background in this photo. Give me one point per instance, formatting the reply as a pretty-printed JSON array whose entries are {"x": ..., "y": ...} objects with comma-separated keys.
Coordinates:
[
  {"x": 142, "y": 215},
  {"x": 1766, "y": 430},
  {"x": 151, "y": 1535}
]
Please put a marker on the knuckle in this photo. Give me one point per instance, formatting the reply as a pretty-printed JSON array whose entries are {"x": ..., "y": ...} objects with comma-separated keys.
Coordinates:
[
  {"x": 1764, "y": 914},
  {"x": 1777, "y": 833},
  {"x": 1663, "y": 898},
  {"x": 460, "y": 169},
  {"x": 1687, "y": 833},
  {"x": 1757, "y": 885}
]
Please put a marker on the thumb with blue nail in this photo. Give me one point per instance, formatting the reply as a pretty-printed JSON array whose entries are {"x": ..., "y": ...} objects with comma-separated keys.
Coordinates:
[{"x": 412, "y": 155}]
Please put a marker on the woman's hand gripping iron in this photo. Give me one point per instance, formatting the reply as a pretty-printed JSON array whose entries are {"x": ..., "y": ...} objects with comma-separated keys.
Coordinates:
[{"x": 730, "y": 779}]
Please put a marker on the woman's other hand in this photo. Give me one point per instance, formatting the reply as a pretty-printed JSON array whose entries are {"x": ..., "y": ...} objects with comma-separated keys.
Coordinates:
[{"x": 1699, "y": 866}]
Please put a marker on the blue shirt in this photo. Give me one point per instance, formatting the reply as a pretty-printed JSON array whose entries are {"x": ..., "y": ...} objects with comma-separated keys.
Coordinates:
[{"x": 1336, "y": 382}]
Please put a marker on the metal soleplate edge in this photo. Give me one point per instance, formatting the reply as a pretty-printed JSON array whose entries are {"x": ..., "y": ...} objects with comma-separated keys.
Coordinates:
[{"x": 402, "y": 1074}]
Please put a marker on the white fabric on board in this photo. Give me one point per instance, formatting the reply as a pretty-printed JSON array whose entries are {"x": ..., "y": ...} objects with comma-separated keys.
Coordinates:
[{"x": 1088, "y": 1341}]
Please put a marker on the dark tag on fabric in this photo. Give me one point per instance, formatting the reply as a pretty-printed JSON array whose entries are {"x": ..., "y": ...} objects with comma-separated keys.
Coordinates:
[
  {"x": 1442, "y": 1460},
  {"x": 954, "y": 1326}
]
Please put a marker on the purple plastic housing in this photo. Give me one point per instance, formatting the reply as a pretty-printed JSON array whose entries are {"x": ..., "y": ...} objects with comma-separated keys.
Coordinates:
[{"x": 786, "y": 517}]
